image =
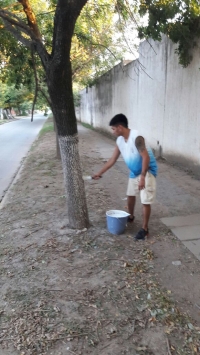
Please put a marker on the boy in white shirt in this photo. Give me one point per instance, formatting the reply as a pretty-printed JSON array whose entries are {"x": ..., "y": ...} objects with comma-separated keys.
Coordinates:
[{"x": 143, "y": 169}]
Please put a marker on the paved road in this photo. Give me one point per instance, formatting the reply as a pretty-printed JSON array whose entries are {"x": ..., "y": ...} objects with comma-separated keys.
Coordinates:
[{"x": 16, "y": 138}]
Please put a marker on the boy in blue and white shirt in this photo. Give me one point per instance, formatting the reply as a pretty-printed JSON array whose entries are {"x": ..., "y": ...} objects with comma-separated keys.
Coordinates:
[{"x": 142, "y": 164}]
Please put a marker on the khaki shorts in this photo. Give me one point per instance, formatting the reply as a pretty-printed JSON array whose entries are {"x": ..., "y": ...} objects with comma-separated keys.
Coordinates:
[{"x": 147, "y": 195}]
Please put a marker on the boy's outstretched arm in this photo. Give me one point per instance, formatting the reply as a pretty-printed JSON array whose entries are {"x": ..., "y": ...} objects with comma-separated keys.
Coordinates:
[{"x": 108, "y": 164}]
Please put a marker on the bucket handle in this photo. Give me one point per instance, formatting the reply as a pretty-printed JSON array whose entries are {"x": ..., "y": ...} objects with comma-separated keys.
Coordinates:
[{"x": 119, "y": 219}]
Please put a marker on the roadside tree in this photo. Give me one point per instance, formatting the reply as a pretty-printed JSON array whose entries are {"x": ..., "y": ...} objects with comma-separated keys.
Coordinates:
[
  {"x": 50, "y": 37},
  {"x": 19, "y": 99}
]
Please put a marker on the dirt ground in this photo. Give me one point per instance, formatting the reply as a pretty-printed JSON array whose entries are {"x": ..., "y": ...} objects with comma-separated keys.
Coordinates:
[{"x": 65, "y": 291}]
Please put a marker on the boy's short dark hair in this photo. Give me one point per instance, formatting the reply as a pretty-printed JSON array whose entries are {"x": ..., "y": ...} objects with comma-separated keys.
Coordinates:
[{"x": 119, "y": 119}]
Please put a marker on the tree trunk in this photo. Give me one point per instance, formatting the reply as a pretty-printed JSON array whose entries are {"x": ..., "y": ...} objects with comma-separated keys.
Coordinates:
[
  {"x": 74, "y": 184},
  {"x": 58, "y": 155},
  {"x": 60, "y": 91}
]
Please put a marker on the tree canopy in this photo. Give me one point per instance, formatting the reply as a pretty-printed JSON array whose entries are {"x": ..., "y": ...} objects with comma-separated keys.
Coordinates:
[
  {"x": 13, "y": 98},
  {"x": 179, "y": 20},
  {"x": 95, "y": 45}
]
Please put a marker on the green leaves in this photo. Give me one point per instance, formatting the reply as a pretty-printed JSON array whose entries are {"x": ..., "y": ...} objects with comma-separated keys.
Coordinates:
[
  {"x": 12, "y": 97},
  {"x": 180, "y": 20},
  {"x": 94, "y": 49},
  {"x": 96, "y": 45}
]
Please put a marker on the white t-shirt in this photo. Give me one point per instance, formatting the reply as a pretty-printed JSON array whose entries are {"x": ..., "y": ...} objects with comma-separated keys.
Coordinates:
[{"x": 132, "y": 157}]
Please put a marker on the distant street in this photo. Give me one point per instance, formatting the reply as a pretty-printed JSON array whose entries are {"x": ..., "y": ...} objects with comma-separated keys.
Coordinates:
[{"x": 15, "y": 140}]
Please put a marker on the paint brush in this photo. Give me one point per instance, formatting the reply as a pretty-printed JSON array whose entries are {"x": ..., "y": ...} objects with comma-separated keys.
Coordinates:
[{"x": 88, "y": 177}]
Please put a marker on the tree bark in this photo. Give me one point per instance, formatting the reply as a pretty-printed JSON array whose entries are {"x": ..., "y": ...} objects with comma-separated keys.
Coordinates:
[
  {"x": 58, "y": 155},
  {"x": 59, "y": 82},
  {"x": 68, "y": 143},
  {"x": 74, "y": 184}
]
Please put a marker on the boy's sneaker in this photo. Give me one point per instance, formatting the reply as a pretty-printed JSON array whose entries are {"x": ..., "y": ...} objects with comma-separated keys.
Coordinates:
[
  {"x": 130, "y": 219},
  {"x": 141, "y": 234}
]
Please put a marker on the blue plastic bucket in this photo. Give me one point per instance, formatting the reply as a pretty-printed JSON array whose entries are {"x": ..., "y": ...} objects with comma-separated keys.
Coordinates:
[{"x": 116, "y": 221}]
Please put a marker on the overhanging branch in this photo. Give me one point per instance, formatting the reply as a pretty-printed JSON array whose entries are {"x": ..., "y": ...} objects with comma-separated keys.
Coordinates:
[
  {"x": 32, "y": 23},
  {"x": 45, "y": 96},
  {"x": 36, "y": 82},
  {"x": 16, "y": 21},
  {"x": 80, "y": 35},
  {"x": 17, "y": 34}
]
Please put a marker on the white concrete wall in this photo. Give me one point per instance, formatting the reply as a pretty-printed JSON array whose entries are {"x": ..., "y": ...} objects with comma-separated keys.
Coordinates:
[{"x": 160, "y": 98}]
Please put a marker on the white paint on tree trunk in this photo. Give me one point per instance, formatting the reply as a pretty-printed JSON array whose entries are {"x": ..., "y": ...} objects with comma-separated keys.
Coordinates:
[{"x": 74, "y": 184}]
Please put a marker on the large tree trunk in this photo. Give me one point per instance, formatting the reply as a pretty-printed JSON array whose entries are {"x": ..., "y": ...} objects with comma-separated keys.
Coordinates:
[
  {"x": 60, "y": 90},
  {"x": 59, "y": 81},
  {"x": 74, "y": 184}
]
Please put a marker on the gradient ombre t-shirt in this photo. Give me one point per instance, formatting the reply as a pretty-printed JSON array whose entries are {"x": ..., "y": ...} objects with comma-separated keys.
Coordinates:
[{"x": 132, "y": 157}]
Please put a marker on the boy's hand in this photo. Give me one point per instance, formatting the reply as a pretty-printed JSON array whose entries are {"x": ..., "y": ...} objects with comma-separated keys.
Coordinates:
[
  {"x": 141, "y": 184},
  {"x": 96, "y": 176}
]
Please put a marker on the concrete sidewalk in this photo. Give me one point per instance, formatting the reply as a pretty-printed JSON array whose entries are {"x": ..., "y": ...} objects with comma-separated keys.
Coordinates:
[
  {"x": 178, "y": 194},
  {"x": 187, "y": 229}
]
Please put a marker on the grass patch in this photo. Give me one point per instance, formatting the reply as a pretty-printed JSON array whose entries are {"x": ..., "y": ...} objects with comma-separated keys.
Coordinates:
[
  {"x": 50, "y": 117},
  {"x": 48, "y": 127},
  {"x": 87, "y": 125},
  {"x": 3, "y": 121}
]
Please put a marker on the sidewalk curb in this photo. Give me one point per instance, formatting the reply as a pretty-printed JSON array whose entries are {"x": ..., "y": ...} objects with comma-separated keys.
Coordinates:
[{"x": 14, "y": 179}]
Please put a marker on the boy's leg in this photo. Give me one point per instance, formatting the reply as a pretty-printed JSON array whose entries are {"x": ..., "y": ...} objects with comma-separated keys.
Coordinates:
[
  {"x": 146, "y": 216},
  {"x": 132, "y": 190},
  {"x": 147, "y": 198},
  {"x": 131, "y": 205}
]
